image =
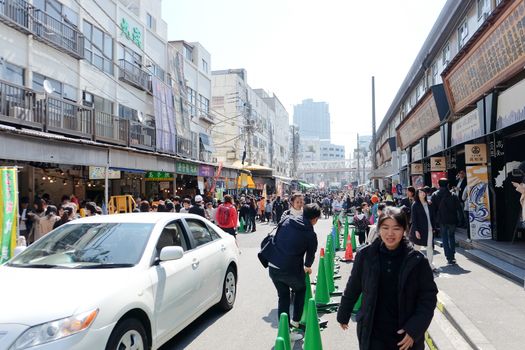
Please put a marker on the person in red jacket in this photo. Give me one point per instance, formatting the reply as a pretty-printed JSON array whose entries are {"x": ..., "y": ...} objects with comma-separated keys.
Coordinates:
[{"x": 226, "y": 216}]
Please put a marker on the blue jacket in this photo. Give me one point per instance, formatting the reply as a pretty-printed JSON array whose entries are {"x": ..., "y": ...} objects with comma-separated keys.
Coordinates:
[{"x": 295, "y": 245}]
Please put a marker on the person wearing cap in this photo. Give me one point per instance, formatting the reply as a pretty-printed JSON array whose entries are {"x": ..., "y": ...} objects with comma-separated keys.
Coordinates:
[{"x": 197, "y": 208}]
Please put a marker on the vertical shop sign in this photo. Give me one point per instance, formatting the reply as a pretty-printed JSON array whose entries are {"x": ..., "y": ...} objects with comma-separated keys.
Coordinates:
[
  {"x": 418, "y": 181},
  {"x": 8, "y": 212},
  {"x": 478, "y": 202}
]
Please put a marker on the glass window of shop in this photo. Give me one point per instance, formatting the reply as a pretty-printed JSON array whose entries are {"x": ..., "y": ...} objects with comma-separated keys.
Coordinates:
[{"x": 98, "y": 48}]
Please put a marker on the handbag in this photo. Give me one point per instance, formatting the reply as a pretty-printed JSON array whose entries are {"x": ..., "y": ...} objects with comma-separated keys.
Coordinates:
[{"x": 268, "y": 246}]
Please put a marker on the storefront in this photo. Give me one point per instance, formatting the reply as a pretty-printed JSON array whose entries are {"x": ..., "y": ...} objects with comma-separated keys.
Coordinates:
[
  {"x": 187, "y": 179},
  {"x": 159, "y": 184},
  {"x": 205, "y": 180}
]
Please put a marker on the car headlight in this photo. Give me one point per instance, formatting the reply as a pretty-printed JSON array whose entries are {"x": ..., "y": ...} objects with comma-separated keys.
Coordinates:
[{"x": 54, "y": 330}]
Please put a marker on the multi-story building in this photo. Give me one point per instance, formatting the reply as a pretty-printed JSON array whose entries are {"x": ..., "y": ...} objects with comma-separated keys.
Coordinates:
[
  {"x": 313, "y": 119},
  {"x": 84, "y": 86},
  {"x": 461, "y": 107},
  {"x": 329, "y": 151},
  {"x": 197, "y": 77}
]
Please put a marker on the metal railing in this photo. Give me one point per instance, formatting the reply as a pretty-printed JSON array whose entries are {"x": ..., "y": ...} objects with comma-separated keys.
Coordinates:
[
  {"x": 23, "y": 107},
  {"x": 134, "y": 75},
  {"x": 15, "y": 13},
  {"x": 58, "y": 34}
]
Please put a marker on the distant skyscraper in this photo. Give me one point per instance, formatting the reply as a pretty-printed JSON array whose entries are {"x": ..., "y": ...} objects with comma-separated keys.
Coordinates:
[{"x": 313, "y": 119}]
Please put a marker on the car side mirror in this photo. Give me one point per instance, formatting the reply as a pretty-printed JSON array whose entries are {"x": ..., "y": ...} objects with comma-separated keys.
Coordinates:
[{"x": 171, "y": 253}]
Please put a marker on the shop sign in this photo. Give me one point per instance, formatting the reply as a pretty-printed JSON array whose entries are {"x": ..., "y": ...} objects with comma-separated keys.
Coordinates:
[
  {"x": 478, "y": 202},
  {"x": 99, "y": 173},
  {"x": 434, "y": 144},
  {"x": 418, "y": 181},
  {"x": 404, "y": 158},
  {"x": 511, "y": 106},
  {"x": 386, "y": 154},
  {"x": 416, "y": 152},
  {"x": 416, "y": 168},
  {"x": 496, "y": 56},
  {"x": 164, "y": 185},
  {"x": 158, "y": 176},
  {"x": 187, "y": 168},
  {"x": 206, "y": 171},
  {"x": 435, "y": 176},
  {"x": 8, "y": 212},
  {"x": 466, "y": 128},
  {"x": 476, "y": 153},
  {"x": 438, "y": 164},
  {"x": 131, "y": 33},
  {"x": 424, "y": 118}
]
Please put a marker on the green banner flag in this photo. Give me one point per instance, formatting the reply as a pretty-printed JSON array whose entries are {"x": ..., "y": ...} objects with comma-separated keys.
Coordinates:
[{"x": 8, "y": 212}]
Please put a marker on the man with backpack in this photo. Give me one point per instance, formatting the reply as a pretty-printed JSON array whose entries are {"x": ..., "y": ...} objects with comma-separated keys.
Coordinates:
[
  {"x": 226, "y": 216},
  {"x": 447, "y": 207},
  {"x": 361, "y": 223}
]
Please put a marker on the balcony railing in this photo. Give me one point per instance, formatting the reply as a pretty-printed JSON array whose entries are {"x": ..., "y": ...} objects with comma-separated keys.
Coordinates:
[
  {"x": 15, "y": 13},
  {"x": 134, "y": 75},
  {"x": 23, "y": 107},
  {"x": 58, "y": 34}
]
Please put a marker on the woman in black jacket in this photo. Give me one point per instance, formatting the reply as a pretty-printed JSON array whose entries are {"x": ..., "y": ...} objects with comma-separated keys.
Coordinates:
[
  {"x": 397, "y": 287},
  {"x": 423, "y": 224}
]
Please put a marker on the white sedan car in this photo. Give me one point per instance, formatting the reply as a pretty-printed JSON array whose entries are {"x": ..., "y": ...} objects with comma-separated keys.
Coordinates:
[{"x": 127, "y": 281}]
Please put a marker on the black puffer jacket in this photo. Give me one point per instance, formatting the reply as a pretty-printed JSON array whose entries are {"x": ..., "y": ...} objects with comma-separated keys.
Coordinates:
[{"x": 416, "y": 294}]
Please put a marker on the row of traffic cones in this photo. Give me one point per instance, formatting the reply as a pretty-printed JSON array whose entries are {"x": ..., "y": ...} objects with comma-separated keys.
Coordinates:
[{"x": 312, "y": 338}]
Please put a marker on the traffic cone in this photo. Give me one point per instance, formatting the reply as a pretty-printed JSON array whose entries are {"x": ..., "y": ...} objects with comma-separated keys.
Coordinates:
[
  {"x": 280, "y": 344},
  {"x": 354, "y": 244},
  {"x": 312, "y": 339},
  {"x": 321, "y": 290},
  {"x": 345, "y": 235},
  {"x": 307, "y": 297},
  {"x": 284, "y": 331},
  {"x": 357, "y": 305},
  {"x": 329, "y": 273},
  {"x": 242, "y": 228},
  {"x": 349, "y": 254}
]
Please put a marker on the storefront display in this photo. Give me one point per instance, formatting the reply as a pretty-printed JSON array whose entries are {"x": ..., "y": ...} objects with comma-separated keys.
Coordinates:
[{"x": 478, "y": 202}]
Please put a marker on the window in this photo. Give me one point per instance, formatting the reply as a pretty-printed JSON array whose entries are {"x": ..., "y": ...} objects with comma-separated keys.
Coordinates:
[
  {"x": 11, "y": 73},
  {"x": 205, "y": 66},
  {"x": 434, "y": 73},
  {"x": 131, "y": 56},
  {"x": 100, "y": 104},
  {"x": 204, "y": 105},
  {"x": 192, "y": 97},
  {"x": 483, "y": 9},
  {"x": 98, "y": 48},
  {"x": 38, "y": 84},
  {"x": 156, "y": 71},
  {"x": 462, "y": 34},
  {"x": 127, "y": 112},
  {"x": 151, "y": 22},
  {"x": 188, "y": 53},
  {"x": 446, "y": 55},
  {"x": 58, "y": 11},
  {"x": 199, "y": 231},
  {"x": 69, "y": 92},
  {"x": 171, "y": 235}
]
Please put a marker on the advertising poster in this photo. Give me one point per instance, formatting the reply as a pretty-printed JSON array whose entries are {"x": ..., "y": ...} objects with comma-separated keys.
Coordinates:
[
  {"x": 478, "y": 202},
  {"x": 8, "y": 212},
  {"x": 436, "y": 175},
  {"x": 418, "y": 181}
]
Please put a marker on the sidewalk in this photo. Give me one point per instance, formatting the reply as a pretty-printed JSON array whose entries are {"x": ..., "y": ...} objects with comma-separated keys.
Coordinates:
[{"x": 487, "y": 309}]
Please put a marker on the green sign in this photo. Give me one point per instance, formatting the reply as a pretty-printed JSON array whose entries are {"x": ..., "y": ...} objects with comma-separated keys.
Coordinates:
[
  {"x": 8, "y": 213},
  {"x": 187, "y": 168},
  {"x": 158, "y": 176},
  {"x": 132, "y": 34}
]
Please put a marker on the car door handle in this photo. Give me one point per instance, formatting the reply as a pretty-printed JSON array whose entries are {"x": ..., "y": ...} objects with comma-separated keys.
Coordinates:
[
  {"x": 223, "y": 248},
  {"x": 195, "y": 263}
]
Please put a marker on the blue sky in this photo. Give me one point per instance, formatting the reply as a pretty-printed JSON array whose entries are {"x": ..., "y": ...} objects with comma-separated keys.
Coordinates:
[{"x": 326, "y": 50}]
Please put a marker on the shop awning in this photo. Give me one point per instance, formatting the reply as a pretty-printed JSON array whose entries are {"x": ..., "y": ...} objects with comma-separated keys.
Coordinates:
[
  {"x": 381, "y": 173},
  {"x": 206, "y": 142},
  {"x": 245, "y": 181},
  {"x": 306, "y": 185},
  {"x": 283, "y": 179}
]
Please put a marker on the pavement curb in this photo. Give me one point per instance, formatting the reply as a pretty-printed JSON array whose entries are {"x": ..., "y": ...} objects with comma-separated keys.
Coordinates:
[
  {"x": 462, "y": 323},
  {"x": 430, "y": 341}
]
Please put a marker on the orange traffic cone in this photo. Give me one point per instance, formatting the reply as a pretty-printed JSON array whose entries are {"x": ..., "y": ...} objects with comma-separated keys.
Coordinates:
[{"x": 349, "y": 254}]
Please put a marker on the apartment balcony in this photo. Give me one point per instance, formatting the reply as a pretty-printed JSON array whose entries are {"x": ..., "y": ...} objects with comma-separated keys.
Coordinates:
[
  {"x": 111, "y": 129},
  {"x": 134, "y": 75},
  {"x": 15, "y": 13},
  {"x": 17, "y": 106},
  {"x": 184, "y": 147},
  {"x": 65, "y": 117},
  {"x": 141, "y": 136},
  {"x": 57, "y": 34}
]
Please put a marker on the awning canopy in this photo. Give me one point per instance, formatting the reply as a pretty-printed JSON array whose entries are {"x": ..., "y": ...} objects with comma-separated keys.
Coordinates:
[
  {"x": 283, "y": 179},
  {"x": 245, "y": 181},
  {"x": 381, "y": 173},
  {"x": 306, "y": 185},
  {"x": 206, "y": 142}
]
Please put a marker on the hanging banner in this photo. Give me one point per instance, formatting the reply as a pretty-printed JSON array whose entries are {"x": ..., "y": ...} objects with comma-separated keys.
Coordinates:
[
  {"x": 416, "y": 168},
  {"x": 8, "y": 212},
  {"x": 478, "y": 202},
  {"x": 438, "y": 164},
  {"x": 435, "y": 176},
  {"x": 476, "y": 153},
  {"x": 418, "y": 181}
]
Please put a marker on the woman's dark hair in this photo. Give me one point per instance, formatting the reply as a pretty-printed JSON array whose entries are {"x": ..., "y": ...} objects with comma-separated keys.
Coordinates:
[
  {"x": 51, "y": 209},
  {"x": 395, "y": 214},
  {"x": 170, "y": 206},
  {"x": 411, "y": 189},
  {"x": 161, "y": 208},
  {"x": 92, "y": 207},
  {"x": 144, "y": 207},
  {"x": 295, "y": 196},
  {"x": 40, "y": 203},
  {"x": 381, "y": 206},
  {"x": 67, "y": 212},
  {"x": 417, "y": 194},
  {"x": 311, "y": 211},
  {"x": 228, "y": 199}
]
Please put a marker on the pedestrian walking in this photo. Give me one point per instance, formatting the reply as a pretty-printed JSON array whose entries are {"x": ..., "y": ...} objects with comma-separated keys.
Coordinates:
[
  {"x": 398, "y": 291},
  {"x": 226, "y": 216},
  {"x": 45, "y": 224},
  {"x": 406, "y": 203},
  {"x": 423, "y": 225},
  {"x": 251, "y": 216},
  {"x": 447, "y": 207},
  {"x": 66, "y": 216},
  {"x": 186, "y": 205},
  {"x": 210, "y": 211},
  {"x": 278, "y": 209},
  {"x": 361, "y": 223},
  {"x": 293, "y": 256},
  {"x": 296, "y": 208},
  {"x": 268, "y": 211},
  {"x": 197, "y": 208}
]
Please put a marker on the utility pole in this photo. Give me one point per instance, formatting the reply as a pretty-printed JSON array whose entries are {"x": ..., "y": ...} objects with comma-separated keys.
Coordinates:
[
  {"x": 249, "y": 128},
  {"x": 358, "y": 151},
  {"x": 374, "y": 150}
]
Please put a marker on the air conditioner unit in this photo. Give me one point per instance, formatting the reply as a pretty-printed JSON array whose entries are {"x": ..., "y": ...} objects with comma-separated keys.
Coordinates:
[
  {"x": 21, "y": 113},
  {"x": 231, "y": 155}
]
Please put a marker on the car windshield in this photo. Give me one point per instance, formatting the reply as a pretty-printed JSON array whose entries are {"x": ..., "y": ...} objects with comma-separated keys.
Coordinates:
[{"x": 87, "y": 245}]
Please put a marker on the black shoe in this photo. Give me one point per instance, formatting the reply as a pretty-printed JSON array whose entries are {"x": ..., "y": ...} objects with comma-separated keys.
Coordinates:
[{"x": 451, "y": 261}]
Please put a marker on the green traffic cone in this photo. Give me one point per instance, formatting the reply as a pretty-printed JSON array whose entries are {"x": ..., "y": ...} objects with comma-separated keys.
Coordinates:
[
  {"x": 284, "y": 331},
  {"x": 329, "y": 272},
  {"x": 312, "y": 339},
  {"x": 308, "y": 295},
  {"x": 345, "y": 235},
  {"x": 241, "y": 226},
  {"x": 357, "y": 305},
  {"x": 321, "y": 290},
  {"x": 354, "y": 245},
  {"x": 280, "y": 344}
]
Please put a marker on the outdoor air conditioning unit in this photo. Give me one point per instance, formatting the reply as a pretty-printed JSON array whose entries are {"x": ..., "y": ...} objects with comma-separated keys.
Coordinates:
[
  {"x": 21, "y": 113},
  {"x": 231, "y": 155}
]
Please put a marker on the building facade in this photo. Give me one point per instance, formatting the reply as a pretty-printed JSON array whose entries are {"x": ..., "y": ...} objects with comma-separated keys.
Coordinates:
[
  {"x": 461, "y": 108},
  {"x": 313, "y": 119}
]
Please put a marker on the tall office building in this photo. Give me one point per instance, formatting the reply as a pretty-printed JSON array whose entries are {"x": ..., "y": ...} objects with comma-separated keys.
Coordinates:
[{"x": 313, "y": 119}]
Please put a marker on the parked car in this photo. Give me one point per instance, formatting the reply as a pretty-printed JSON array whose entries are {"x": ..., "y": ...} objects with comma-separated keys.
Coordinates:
[{"x": 125, "y": 281}]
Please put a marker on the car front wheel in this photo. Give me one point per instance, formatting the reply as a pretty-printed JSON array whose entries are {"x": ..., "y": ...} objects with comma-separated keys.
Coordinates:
[
  {"x": 128, "y": 335},
  {"x": 229, "y": 290}
]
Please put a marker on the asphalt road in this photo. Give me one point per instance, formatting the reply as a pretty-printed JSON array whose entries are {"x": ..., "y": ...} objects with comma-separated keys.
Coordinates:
[{"x": 252, "y": 324}]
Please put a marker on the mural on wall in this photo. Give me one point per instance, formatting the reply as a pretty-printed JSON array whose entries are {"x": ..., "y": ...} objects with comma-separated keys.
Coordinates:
[
  {"x": 436, "y": 175},
  {"x": 418, "y": 181},
  {"x": 478, "y": 202}
]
